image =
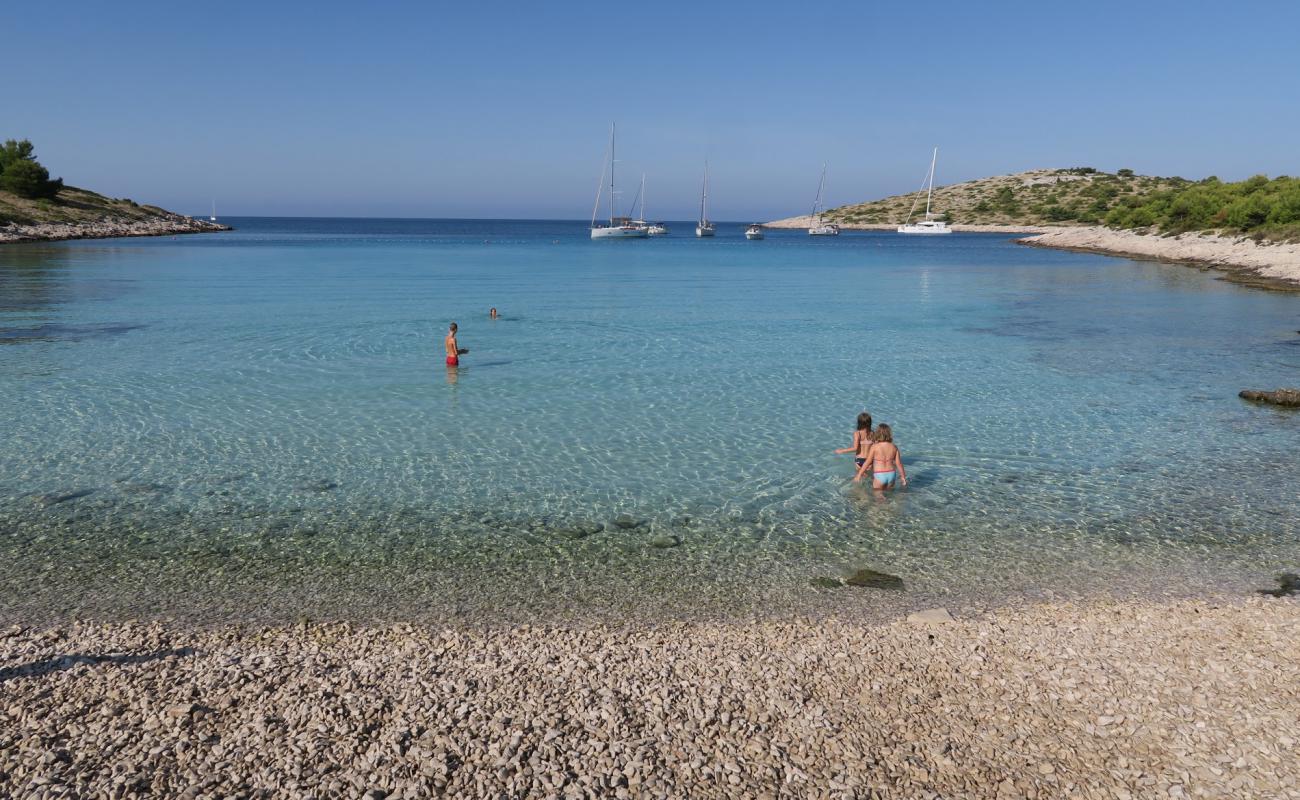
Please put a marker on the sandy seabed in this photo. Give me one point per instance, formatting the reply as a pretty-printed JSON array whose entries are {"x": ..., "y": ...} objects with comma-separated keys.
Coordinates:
[{"x": 1098, "y": 698}]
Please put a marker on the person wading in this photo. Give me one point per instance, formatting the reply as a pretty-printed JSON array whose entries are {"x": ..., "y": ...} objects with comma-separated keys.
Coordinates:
[{"x": 454, "y": 350}]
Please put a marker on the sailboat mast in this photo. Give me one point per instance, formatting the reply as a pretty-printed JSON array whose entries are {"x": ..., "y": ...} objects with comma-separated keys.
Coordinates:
[
  {"x": 930, "y": 183},
  {"x": 704, "y": 194},
  {"x": 600, "y": 185},
  {"x": 611, "y": 172},
  {"x": 642, "y": 193},
  {"x": 820, "y": 185}
]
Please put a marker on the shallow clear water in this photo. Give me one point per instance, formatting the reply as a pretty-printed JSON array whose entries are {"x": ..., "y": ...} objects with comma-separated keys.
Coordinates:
[{"x": 264, "y": 424}]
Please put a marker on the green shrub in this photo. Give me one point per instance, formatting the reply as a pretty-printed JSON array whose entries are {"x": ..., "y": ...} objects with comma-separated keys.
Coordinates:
[{"x": 22, "y": 174}]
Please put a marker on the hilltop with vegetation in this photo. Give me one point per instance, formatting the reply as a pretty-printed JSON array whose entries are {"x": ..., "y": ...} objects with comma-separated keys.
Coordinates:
[
  {"x": 1249, "y": 229},
  {"x": 1075, "y": 196},
  {"x": 34, "y": 207},
  {"x": 1084, "y": 196}
]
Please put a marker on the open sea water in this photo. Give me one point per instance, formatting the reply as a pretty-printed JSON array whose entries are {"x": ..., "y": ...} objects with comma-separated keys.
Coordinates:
[{"x": 259, "y": 424}]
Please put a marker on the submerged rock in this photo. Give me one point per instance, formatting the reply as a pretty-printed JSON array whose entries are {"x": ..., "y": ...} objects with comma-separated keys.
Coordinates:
[
  {"x": 318, "y": 486},
  {"x": 128, "y": 487},
  {"x": 54, "y": 498},
  {"x": 1289, "y": 398},
  {"x": 823, "y": 582},
  {"x": 581, "y": 530},
  {"x": 665, "y": 541},
  {"x": 871, "y": 579},
  {"x": 1288, "y": 583},
  {"x": 627, "y": 522}
]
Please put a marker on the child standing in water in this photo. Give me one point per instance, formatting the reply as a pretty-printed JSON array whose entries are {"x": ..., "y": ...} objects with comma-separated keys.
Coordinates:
[
  {"x": 884, "y": 460},
  {"x": 861, "y": 440}
]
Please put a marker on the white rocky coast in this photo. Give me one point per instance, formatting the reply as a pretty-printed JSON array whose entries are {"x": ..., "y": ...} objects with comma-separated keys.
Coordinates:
[
  {"x": 1115, "y": 699},
  {"x": 1274, "y": 264},
  {"x": 107, "y": 228}
]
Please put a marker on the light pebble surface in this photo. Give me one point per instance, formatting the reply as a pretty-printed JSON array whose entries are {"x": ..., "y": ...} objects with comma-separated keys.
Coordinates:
[
  {"x": 1275, "y": 263},
  {"x": 1103, "y": 698}
]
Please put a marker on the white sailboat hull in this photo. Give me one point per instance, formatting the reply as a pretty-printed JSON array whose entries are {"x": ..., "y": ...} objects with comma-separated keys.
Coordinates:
[
  {"x": 824, "y": 230},
  {"x": 657, "y": 230},
  {"x": 618, "y": 233},
  {"x": 925, "y": 228},
  {"x": 703, "y": 231}
]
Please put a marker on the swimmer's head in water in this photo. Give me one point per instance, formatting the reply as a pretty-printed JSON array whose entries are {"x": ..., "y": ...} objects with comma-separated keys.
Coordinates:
[
  {"x": 884, "y": 433},
  {"x": 864, "y": 421}
]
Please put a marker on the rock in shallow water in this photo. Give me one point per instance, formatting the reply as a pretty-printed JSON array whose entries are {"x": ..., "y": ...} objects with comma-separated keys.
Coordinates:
[
  {"x": 318, "y": 486},
  {"x": 664, "y": 541},
  {"x": 826, "y": 583},
  {"x": 1288, "y": 583},
  {"x": 871, "y": 579},
  {"x": 627, "y": 522},
  {"x": 1289, "y": 398},
  {"x": 54, "y": 498}
]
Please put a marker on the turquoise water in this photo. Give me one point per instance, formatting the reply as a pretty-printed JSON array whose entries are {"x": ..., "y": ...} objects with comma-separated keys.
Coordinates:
[{"x": 262, "y": 425}]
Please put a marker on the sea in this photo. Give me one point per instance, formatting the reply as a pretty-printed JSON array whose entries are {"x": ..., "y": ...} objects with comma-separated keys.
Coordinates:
[{"x": 259, "y": 425}]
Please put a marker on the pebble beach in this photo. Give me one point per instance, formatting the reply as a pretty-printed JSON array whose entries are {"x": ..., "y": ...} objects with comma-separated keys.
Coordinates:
[{"x": 1092, "y": 698}]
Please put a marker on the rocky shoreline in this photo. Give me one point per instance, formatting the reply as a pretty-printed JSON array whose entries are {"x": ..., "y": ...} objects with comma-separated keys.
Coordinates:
[
  {"x": 1100, "y": 698},
  {"x": 107, "y": 228},
  {"x": 1269, "y": 265},
  {"x": 807, "y": 221}
]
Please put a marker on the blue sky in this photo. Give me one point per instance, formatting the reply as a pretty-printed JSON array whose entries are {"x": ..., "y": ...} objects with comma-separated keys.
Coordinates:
[{"x": 502, "y": 109}]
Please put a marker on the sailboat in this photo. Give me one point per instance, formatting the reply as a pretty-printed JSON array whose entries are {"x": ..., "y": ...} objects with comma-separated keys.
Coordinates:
[
  {"x": 929, "y": 225},
  {"x": 651, "y": 228},
  {"x": 213, "y": 218},
  {"x": 618, "y": 227},
  {"x": 704, "y": 227},
  {"x": 819, "y": 227}
]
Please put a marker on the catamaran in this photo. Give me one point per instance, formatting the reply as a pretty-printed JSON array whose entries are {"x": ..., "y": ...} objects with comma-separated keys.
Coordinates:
[
  {"x": 929, "y": 225},
  {"x": 704, "y": 227},
  {"x": 618, "y": 227},
  {"x": 819, "y": 226}
]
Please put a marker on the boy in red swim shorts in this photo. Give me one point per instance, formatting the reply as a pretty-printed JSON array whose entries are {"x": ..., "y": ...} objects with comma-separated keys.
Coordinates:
[{"x": 454, "y": 351}]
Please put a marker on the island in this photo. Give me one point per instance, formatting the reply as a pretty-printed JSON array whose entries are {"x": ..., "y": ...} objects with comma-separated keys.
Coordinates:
[
  {"x": 35, "y": 208},
  {"x": 1250, "y": 229}
]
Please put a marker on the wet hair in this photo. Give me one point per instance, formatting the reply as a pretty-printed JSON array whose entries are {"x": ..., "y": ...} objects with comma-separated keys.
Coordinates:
[
  {"x": 883, "y": 433},
  {"x": 864, "y": 421},
  {"x": 453, "y": 326}
]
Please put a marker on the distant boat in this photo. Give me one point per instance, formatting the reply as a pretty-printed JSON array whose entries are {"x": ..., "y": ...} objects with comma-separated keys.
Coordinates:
[
  {"x": 618, "y": 227},
  {"x": 651, "y": 228},
  {"x": 820, "y": 227},
  {"x": 754, "y": 231},
  {"x": 213, "y": 218},
  {"x": 704, "y": 227},
  {"x": 929, "y": 225}
]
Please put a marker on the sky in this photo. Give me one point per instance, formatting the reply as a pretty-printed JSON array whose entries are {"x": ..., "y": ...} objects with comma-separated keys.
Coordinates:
[{"x": 502, "y": 110}]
